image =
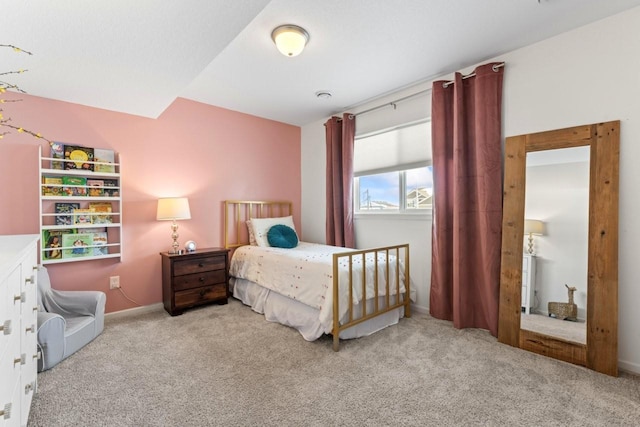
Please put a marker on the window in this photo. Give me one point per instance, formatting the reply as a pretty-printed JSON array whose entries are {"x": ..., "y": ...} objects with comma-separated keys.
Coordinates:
[{"x": 393, "y": 172}]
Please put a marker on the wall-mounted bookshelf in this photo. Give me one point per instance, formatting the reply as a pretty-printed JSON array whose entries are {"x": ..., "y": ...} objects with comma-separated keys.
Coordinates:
[{"x": 80, "y": 204}]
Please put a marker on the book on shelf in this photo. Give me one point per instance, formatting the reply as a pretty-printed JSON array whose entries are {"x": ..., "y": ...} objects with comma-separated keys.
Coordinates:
[
  {"x": 81, "y": 157},
  {"x": 105, "y": 156},
  {"x": 100, "y": 240},
  {"x": 102, "y": 212},
  {"x": 57, "y": 152},
  {"x": 111, "y": 188},
  {"x": 52, "y": 243},
  {"x": 65, "y": 208},
  {"x": 95, "y": 187},
  {"x": 54, "y": 187},
  {"x": 74, "y": 186},
  {"x": 83, "y": 216},
  {"x": 77, "y": 245}
]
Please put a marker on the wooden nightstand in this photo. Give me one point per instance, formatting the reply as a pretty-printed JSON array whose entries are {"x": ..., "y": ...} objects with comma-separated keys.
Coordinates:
[{"x": 194, "y": 278}]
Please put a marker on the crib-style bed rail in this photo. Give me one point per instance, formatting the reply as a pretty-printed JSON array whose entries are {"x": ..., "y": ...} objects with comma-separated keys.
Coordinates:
[{"x": 390, "y": 265}]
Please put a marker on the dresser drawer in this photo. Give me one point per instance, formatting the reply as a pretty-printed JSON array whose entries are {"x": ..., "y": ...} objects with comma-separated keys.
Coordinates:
[
  {"x": 190, "y": 281},
  {"x": 200, "y": 295},
  {"x": 190, "y": 266}
]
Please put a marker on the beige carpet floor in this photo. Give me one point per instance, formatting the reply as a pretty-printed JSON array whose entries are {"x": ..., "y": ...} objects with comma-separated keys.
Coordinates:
[
  {"x": 565, "y": 329},
  {"x": 226, "y": 366}
]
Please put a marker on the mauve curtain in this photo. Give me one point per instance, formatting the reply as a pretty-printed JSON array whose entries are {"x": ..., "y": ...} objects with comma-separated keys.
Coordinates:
[
  {"x": 467, "y": 217},
  {"x": 340, "y": 137}
]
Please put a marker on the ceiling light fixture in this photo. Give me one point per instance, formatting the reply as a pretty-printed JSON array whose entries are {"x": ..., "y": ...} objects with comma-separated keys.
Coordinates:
[
  {"x": 323, "y": 94},
  {"x": 290, "y": 39}
]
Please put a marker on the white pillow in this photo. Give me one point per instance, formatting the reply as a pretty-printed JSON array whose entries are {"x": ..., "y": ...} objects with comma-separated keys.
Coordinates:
[{"x": 261, "y": 227}]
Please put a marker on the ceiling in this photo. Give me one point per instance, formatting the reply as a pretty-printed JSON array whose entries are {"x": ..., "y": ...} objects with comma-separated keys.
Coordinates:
[{"x": 138, "y": 56}]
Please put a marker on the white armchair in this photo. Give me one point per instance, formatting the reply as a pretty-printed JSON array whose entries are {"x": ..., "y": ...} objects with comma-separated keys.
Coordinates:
[{"x": 67, "y": 320}]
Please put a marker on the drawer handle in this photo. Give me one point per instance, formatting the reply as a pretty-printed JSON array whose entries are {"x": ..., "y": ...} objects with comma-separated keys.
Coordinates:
[
  {"x": 21, "y": 360},
  {"x": 203, "y": 291},
  {"x": 29, "y": 387},
  {"x": 6, "y": 327},
  {"x": 31, "y": 279},
  {"x": 201, "y": 279},
  {"x": 31, "y": 329},
  {"x": 22, "y": 297},
  {"x": 200, "y": 265},
  {"x": 6, "y": 412}
]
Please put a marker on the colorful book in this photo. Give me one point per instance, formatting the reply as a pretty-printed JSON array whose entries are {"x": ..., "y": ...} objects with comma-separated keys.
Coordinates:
[
  {"x": 52, "y": 243},
  {"x": 111, "y": 188},
  {"x": 95, "y": 187},
  {"x": 105, "y": 156},
  {"x": 74, "y": 185},
  {"x": 100, "y": 240},
  {"x": 54, "y": 188},
  {"x": 57, "y": 152},
  {"x": 83, "y": 216},
  {"x": 65, "y": 208},
  {"x": 77, "y": 245},
  {"x": 80, "y": 156},
  {"x": 102, "y": 212}
]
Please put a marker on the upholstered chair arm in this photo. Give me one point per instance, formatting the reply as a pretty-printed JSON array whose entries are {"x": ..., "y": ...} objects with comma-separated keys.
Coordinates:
[{"x": 51, "y": 328}]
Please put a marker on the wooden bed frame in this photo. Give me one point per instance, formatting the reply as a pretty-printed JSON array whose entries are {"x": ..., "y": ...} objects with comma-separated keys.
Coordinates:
[{"x": 237, "y": 212}]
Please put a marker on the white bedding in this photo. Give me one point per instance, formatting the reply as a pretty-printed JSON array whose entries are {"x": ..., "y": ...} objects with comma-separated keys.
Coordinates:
[
  {"x": 283, "y": 310},
  {"x": 305, "y": 274}
]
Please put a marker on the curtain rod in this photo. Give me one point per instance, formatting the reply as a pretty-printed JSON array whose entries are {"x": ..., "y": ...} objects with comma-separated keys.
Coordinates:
[
  {"x": 494, "y": 68},
  {"x": 393, "y": 103}
]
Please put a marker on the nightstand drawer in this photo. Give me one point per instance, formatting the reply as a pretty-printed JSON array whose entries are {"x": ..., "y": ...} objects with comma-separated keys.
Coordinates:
[
  {"x": 200, "y": 295},
  {"x": 190, "y": 281},
  {"x": 197, "y": 265}
]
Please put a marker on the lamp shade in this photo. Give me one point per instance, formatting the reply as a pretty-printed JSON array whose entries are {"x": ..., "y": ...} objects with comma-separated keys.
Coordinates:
[
  {"x": 172, "y": 208},
  {"x": 290, "y": 39},
  {"x": 534, "y": 226}
]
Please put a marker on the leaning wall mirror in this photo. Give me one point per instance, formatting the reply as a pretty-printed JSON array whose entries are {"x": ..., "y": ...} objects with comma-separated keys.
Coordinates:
[{"x": 559, "y": 280}]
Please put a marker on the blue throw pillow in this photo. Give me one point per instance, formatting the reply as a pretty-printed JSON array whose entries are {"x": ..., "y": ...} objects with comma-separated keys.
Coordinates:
[{"x": 282, "y": 236}]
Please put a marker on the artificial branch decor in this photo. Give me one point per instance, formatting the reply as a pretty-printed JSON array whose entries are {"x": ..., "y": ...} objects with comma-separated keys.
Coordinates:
[{"x": 5, "y": 121}]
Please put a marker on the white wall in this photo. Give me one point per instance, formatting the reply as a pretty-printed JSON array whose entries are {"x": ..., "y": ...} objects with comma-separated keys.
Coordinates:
[{"x": 584, "y": 76}]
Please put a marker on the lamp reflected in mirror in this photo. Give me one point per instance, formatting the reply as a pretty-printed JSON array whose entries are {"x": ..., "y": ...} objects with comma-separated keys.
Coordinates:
[{"x": 533, "y": 227}]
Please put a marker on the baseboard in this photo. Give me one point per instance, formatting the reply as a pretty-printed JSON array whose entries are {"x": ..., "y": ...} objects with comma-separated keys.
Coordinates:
[
  {"x": 133, "y": 311},
  {"x": 632, "y": 368},
  {"x": 419, "y": 309}
]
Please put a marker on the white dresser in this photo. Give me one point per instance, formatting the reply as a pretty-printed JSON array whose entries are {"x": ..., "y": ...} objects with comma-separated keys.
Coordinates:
[
  {"x": 18, "y": 324},
  {"x": 528, "y": 281}
]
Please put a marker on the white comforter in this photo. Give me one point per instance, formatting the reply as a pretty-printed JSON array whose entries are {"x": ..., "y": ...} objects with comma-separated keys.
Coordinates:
[{"x": 305, "y": 274}]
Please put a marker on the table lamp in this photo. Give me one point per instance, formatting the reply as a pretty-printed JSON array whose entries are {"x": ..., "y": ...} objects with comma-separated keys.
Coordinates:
[
  {"x": 172, "y": 209},
  {"x": 531, "y": 227}
]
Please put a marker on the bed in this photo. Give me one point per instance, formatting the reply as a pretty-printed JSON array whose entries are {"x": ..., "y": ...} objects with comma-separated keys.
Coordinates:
[{"x": 316, "y": 289}]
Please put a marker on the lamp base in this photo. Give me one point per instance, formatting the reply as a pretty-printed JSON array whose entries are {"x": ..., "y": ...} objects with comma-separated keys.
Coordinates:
[{"x": 176, "y": 252}]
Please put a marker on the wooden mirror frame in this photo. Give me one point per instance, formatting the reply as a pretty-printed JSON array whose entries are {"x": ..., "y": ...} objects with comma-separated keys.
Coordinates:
[{"x": 600, "y": 353}]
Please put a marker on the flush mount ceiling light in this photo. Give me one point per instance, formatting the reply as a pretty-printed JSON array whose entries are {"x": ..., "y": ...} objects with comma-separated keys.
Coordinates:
[
  {"x": 323, "y": 94},
  {"x": 290, "y": 39}
]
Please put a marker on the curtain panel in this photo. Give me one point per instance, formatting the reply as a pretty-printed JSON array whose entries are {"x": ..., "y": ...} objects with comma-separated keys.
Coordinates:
[
  {"x": 467, "y": 217},
  {"x": 340, "y": 135}
]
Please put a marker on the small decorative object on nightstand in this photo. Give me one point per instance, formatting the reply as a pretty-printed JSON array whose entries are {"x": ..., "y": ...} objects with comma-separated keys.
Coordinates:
[{"x": 194, "y": 278}]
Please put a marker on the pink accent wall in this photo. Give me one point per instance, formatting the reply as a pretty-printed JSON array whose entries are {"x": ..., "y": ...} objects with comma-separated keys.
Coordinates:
[{"x": 205, "y": 153}]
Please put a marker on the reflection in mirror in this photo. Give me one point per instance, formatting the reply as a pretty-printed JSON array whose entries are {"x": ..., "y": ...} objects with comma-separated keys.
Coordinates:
[{"x": 556, "y": 242}]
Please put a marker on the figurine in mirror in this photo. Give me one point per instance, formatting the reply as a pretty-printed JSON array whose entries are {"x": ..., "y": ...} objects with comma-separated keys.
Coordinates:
[{"x": 554, "y": 268}]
